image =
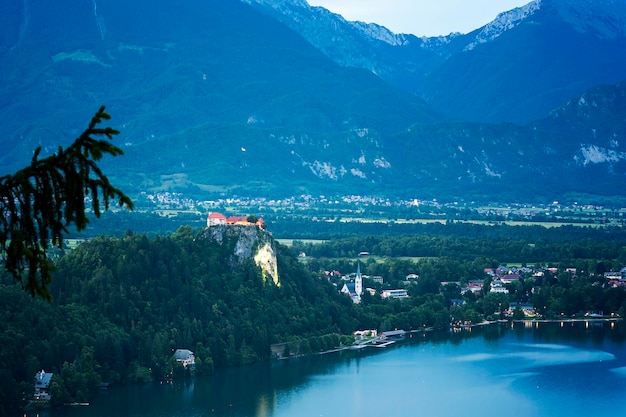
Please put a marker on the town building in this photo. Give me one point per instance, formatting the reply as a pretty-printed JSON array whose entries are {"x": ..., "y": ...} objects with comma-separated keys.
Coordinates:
[
  {"x": 393, "y": 335},
  {"x": 42, "y": 385},
  {"x": 497, "y": 286},
  {"x": 474, "y": 286},
  {"x": 398, "y": 293},
  {"x": 365, "y": 334},
  {"x": 185, "y": 357}
]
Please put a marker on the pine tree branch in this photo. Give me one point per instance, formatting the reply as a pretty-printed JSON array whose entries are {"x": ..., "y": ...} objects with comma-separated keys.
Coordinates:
[{"x": 39, "y": 202}]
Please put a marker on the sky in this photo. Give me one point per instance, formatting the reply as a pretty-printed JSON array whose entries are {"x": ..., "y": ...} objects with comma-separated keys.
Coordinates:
[{"x": 422, "y": 17}]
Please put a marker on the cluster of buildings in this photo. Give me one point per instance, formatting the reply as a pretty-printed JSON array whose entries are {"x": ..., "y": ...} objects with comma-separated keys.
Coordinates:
[
  {"x": 501, "y": 276},
  {"x": 215, "y": 219},
  {"x": 354, "y": 289},
  {"x": 616, "y": 279}
]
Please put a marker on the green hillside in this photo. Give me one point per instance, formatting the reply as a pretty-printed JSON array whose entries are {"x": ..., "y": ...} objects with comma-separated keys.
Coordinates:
[{"x": 122, "y": 305}]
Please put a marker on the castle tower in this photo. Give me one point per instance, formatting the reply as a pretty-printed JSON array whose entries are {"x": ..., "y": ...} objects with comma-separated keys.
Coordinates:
[{"x": 358, "y": 281}]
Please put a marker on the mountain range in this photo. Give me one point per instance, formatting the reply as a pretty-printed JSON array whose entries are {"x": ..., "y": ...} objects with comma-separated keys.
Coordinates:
[
  {"x": 277, "y": 98},
  {"x": 517, "y": 68}
]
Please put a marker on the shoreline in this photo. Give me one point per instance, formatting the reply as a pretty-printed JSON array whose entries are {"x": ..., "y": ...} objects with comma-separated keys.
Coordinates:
[{"x": 410, "y": 333}]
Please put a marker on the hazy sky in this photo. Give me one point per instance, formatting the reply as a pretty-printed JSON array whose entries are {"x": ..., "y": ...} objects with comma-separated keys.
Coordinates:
[{"x": 422, "y": 17}]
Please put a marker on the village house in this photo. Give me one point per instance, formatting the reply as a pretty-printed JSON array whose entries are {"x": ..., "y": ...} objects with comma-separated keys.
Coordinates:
[
  {"x": 332, "y": 274},
  {"x": 392, "y": 335},
  {"x": 365, "y": 334},
  {"x": 185, "y": 357},
  {"x": 398, "y": 293},
  {"x": 475, "y": 286},
  {"x": 510, "y": 277},
  {"x": 42, "y": 384},
  {"x": 612, "y": 275},
  {"x": 501, "y": 270},
  {"x": 497, "y": 286}
]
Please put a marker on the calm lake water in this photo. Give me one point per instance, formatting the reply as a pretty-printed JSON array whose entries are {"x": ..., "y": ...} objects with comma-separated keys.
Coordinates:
[{"x": 550, "y": 369}]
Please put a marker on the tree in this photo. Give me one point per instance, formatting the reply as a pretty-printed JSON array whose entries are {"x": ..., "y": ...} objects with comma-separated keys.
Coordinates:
[
  {"x": 518, "y": 314},
  {"x": 39, "y": 202}
]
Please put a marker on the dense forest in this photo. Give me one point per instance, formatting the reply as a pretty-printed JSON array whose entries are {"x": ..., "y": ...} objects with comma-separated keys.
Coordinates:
[
  {"x": 466, "y": 242},
  {"x": 122, "y": 305}
]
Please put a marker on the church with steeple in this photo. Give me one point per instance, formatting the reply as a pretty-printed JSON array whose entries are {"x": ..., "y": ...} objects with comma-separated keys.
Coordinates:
[{"x": 355, "y": 289}]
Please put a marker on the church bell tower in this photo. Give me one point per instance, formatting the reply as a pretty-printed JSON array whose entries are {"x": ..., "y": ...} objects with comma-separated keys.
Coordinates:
[{"x": 358, "y": 281}]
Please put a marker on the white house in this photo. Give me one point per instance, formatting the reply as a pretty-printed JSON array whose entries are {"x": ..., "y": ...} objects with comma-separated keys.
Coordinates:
[
  {"x": 42, "y": 383},
  {"x": 185, "y": 357},
  {"x": 399, "y": 293},
  {"x": 497, "y": 286}
]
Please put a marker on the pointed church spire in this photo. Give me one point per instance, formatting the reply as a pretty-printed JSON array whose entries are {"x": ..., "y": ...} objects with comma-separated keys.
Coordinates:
[{"x": 358, "y": 281}]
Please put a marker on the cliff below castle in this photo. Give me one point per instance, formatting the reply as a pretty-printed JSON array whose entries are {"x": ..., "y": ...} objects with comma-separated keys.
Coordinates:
[{"x": 248, "y": 242}]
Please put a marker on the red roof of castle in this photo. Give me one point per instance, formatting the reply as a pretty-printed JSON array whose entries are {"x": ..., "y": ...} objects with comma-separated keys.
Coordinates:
[{"x": 234, "y": 219}]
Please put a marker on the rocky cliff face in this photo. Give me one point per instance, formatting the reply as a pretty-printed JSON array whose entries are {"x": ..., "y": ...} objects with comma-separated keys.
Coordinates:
[{"x": 248, "y": 242}]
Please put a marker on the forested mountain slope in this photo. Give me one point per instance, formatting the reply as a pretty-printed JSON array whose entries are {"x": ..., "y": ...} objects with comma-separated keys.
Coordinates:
[{"x": 122, "y": 305}]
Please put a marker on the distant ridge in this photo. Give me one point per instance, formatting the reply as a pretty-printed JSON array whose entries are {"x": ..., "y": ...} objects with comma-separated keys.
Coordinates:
[
  {"x": 517, "y": 68},
  {"x": 278, "y": 99}
]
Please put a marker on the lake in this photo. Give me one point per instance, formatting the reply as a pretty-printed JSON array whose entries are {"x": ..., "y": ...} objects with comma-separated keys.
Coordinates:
[{"x": 541, "y": 369}]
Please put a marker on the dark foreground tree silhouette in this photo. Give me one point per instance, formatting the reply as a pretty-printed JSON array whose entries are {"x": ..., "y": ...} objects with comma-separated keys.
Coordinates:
[{"x": 39, "y": 202}]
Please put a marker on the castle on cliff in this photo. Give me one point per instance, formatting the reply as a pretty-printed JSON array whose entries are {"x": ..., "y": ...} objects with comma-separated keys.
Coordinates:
[{"x": 215, "y": 219}]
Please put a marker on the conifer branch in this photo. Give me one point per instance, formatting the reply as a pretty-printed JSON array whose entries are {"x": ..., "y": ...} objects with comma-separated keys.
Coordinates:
[{"x": 39, "y": 202}]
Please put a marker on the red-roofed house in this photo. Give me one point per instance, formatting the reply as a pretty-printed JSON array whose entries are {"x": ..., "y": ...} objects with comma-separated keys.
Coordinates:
[{"x": 214, "y": 219}]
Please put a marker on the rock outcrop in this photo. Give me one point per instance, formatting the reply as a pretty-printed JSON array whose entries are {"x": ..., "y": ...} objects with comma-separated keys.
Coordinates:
[{"x": 249, "y": 242}]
